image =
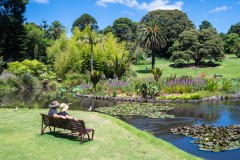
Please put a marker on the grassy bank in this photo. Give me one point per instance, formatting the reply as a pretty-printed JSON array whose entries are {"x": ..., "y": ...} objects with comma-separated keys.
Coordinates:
[
  {"x": 20, "y": 139},
  {"x": 229, "y": 68}
]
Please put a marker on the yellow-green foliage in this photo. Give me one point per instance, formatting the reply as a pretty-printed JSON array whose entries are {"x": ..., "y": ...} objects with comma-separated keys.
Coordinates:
[
  {"x": 30, "y": 66},
  {"x": 74, "y": 54}
]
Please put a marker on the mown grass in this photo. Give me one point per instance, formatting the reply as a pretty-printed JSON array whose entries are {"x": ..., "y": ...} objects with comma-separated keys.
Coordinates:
[
  {"x": 229, "y": 68},
  {"x": 20, "y": 139}
]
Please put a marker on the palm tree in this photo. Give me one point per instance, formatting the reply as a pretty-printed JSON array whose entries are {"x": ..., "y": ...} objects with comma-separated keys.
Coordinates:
[
  {"x": 92, "y": 40},
  {"x": 152, "y": 39}
]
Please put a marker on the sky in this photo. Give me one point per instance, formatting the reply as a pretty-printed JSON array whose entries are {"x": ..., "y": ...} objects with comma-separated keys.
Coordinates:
[{"x": 220, "y": 13}]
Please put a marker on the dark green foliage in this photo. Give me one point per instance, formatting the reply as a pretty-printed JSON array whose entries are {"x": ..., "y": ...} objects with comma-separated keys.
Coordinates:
[
  {"x": 174, "y": 22},
  {"x": 235, "y": 29},
  {"x": 197, "y": 45},
  {"x": 205, "y": 25},
  {"x": 123, "y": 28},
  {"x": 108, "y": 29},
  {"x": 12, "y": 34},
  {"x": 2, "y": 63},
  {"x": 55, "y": 30},
  {"x": 84, "y": 20}
]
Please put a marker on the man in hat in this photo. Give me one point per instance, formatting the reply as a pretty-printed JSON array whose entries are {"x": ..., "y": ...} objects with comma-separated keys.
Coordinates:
[{"x": 53, "y": 110}]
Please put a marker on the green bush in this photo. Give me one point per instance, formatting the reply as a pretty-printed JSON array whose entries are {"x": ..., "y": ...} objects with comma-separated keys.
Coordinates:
[
  {"x": 211, "y": 84},
  {"x": 146, "y": 89},
  {"x": 31, "y": 66}
]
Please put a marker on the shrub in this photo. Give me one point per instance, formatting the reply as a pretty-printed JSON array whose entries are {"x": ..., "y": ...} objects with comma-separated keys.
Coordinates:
[
  {"x": 157, "y": 73},
  {"x": 211, "y": 84},
  {"x": 31, "y": 66},
  {"x": 226, "y": 85},
  {"x": 147, "y": 89}
]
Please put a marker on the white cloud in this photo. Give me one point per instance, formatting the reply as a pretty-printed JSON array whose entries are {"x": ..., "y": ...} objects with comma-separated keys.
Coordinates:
[
  {"x": 219, "y": 9},
  {"x": 41, "y": 1},
  {"x": 153, "y": 5}
]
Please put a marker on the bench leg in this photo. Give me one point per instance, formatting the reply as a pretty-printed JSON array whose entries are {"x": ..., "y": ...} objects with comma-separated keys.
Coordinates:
[
  {"x": 81, "y": 138},
  {"x": 92, "y": 134}
]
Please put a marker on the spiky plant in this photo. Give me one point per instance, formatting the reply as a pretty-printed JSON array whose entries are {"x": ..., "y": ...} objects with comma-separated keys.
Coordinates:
[
  {"x": 95, "y": 77},
  {"x": 157, "y": 73},
  {"x": 28, "y": 82}
]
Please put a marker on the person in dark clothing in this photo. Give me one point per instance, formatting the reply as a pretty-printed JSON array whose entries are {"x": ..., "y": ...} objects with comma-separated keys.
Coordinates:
[
  {"x": 53, "y": 110},
  {"x": 64, "y": 107}
]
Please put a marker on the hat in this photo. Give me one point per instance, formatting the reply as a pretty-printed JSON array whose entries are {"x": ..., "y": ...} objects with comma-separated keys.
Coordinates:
[
  {"x": 54, "y": 104},
  {"x": 64, "y": 106}
]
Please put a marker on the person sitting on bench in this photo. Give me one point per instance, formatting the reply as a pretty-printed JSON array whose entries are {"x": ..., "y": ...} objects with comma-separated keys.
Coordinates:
[
  {"x": 64, "y": 107},
  {"x": 53, "y": 110}
]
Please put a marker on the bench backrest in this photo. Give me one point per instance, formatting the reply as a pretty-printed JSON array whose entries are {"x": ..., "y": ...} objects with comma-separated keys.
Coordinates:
[{"x": 69, "y": 124}]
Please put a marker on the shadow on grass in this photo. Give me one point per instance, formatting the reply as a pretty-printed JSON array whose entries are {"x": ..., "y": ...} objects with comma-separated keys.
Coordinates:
[
  {"x": 193, "y": 66},
  {"x": 142, "y": 71}
]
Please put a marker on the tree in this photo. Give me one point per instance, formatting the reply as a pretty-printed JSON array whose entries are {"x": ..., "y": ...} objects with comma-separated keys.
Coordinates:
[
  {"x": 174, "y": 22},
  {"x": 152, "y": 39},
  {"x": 205, "y": 25},
  {"x": 108, "y": 29},
  {"x": 123, "y": 28},
  {"x": 198, "y": 45},
  {"x": 230, "y": 43},
  {"x": 55, "y": 30},
  {"x": 35, "y": 42},
  {"x": 85, "y": 20},
  {"x": 235, "y": 29},
  {"x": 12, "y": 29},
  {"x": 92, "y": 40}
]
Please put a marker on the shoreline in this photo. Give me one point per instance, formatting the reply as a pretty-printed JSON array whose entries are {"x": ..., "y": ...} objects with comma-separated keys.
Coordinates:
[{"x": 233, "y": 97}]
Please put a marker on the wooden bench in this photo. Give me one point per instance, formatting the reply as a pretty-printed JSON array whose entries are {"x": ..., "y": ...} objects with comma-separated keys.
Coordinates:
[
  {"x": 67, "y": 124},
  {"x": 217, "y": 76}
]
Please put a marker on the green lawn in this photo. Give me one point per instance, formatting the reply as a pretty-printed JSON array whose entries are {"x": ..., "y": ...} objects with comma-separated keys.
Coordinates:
[
  {"x": 20, "y": 139},
  {"x": 229, "y": 68}
]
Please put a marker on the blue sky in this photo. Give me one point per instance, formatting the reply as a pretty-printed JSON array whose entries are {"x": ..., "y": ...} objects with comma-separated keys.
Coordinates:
[{"x": 221, "y": 13}]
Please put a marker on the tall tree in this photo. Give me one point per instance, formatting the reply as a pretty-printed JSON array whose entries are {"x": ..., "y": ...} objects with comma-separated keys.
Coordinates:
[
  {"x": 35, "y": 42},
  {"x": 84, "y": 20},
  {"x": 235, "y": 29},
  {"x": 55, "y": 30},
  {"x": 174, "y": 22},
  {"x": 92, "y": 39},
  {"x": 152, "y": 39},
  {"x": 205, "y": 25},
  {"x": 123, "y": 28},
  {"x": 12, "y": 29}
]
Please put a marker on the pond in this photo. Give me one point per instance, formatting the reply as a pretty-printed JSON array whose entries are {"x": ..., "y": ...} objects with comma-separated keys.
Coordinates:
[{"x": 210, "y": 113}]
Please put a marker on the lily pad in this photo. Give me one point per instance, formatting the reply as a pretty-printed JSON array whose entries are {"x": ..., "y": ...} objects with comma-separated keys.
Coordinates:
[
  {"x": 212, "y": 138},
  {"x": 144, "y": 109}
]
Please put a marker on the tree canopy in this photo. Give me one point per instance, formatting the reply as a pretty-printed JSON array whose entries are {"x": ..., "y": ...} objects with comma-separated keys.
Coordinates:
[
  {"x": 123, "y": 28},
  {"x": 198, "y": 45},
  {"x": 205, "y": 25},
  {"x": 84, "y": 20},
  {"x": 235, "y": 29},
  {"x": 12, "y": 34},
  {"x": 174, "y": 22}
]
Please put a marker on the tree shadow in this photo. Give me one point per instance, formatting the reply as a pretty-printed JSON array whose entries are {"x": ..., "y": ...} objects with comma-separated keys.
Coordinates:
[
  {"x": 194, "y": 66},
  {"x": 142, "y": 71}
]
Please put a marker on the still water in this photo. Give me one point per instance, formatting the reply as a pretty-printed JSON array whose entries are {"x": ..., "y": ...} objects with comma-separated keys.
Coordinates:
[{"x": 211, "y": 113}]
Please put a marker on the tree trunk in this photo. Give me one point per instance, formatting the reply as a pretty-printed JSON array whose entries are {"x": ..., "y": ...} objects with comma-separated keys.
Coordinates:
[
  {"x": 91, "y": 59},
  {"x": 153, "y": 59}
]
